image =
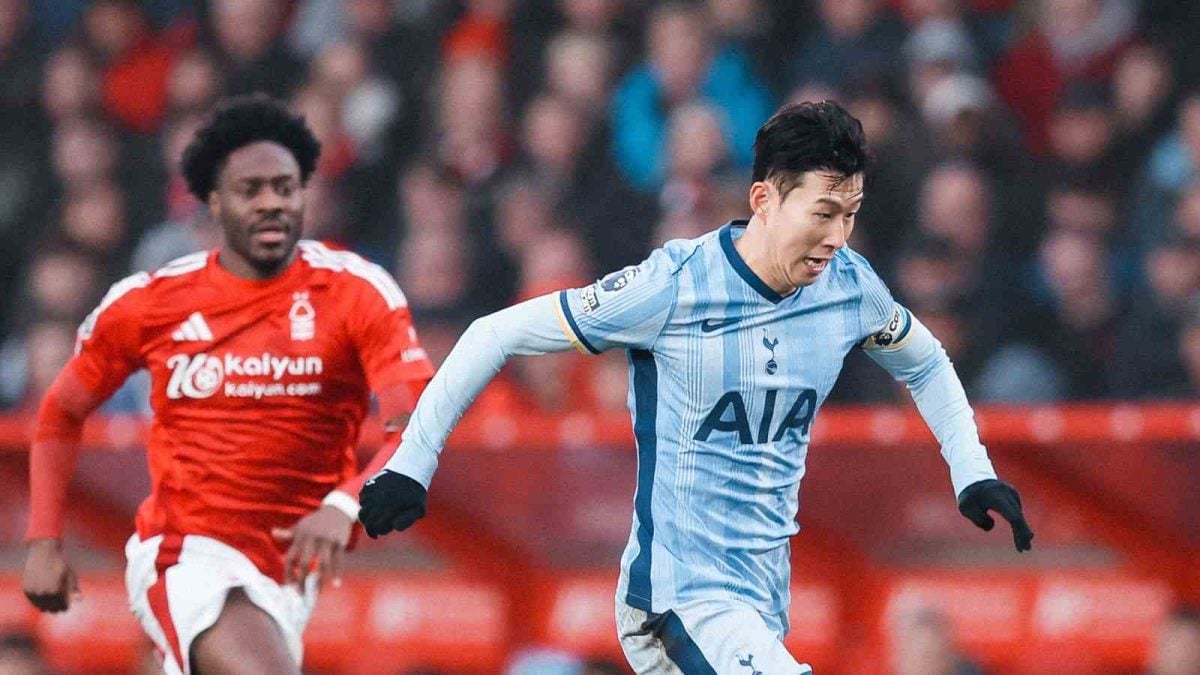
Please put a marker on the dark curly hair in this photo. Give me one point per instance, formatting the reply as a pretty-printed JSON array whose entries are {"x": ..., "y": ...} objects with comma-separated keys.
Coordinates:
[
  {"x": 802, "y": 137},
  {"x": 238, "y": 122}
]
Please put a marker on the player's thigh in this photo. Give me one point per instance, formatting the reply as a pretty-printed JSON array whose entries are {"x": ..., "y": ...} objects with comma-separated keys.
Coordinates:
[
  {"x": 245, "y": 639},
  {"x": 178, "y": 589},
  {"x": 706, "y": 637}
]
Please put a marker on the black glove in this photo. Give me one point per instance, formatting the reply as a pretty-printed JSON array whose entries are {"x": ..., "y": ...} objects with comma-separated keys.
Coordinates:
[
  {"x": 1002, "y": 498},
  {"x": 390, "y": 501}
]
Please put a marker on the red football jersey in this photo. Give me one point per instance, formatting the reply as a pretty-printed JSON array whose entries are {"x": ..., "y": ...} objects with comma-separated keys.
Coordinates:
[{"x": 259, "y": 388}]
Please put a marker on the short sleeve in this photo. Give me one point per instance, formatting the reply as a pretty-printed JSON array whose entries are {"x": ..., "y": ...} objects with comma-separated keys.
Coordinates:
[
  {"x": 626, "y": 309},
  {"x": 108, "y": 343},
  {"x": 381, "y": 328}
]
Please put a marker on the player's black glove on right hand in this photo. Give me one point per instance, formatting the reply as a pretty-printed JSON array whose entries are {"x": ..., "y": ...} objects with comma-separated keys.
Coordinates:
[
  {"x": 390, "y": 501},
  {"x": 1001, "y": 497}
]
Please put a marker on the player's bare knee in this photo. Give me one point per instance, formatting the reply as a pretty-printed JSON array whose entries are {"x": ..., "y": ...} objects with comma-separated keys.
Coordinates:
[{"x": 244, "y": 640}]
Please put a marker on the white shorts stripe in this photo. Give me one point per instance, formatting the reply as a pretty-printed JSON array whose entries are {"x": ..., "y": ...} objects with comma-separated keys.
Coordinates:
[{"x": 197, "y": 586}]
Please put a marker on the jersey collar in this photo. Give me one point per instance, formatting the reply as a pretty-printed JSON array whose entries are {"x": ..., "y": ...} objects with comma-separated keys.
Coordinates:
[{"x": 740, "y": 266}]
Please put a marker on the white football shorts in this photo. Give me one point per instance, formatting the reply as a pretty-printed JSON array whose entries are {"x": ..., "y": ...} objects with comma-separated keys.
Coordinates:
[
  {"x": 705, "y": 637},
  {"x": 177, "y": 587}
]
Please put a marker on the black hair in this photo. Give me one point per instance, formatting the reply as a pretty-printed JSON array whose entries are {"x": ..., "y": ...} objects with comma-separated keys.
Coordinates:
[
  {"x": 238, "y": 122},
  {"x": 1186, "y": 614},
  {"x": 802, "y": 137}
]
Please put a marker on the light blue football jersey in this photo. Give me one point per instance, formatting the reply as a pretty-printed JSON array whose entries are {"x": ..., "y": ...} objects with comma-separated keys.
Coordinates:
[{"x": 725, "y": 379}]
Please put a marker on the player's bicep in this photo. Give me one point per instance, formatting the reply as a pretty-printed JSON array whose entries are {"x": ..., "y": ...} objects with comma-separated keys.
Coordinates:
[
  {"x": 108, "y": 342},
  {"x": 626, "y": 309},
  {"x": 907, "y": 349},
  {"x": 389, "y": 349},
  {"x": 894, "y": 333},
  {"x": 536, "y": 326}
]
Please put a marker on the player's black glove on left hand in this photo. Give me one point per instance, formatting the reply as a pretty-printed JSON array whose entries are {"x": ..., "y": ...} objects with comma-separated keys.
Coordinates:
[
  {"x": 390, "y": 501},
  {"x": 1002, "y": 498}
]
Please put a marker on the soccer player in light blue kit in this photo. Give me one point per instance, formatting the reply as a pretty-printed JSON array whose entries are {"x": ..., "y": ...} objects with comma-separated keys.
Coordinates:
[{"x": 734, "y": 340}]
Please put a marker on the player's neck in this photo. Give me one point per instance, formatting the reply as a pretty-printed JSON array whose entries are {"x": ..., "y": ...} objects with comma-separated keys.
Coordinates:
[
  {"x": 754, "y": 249},
  {"x": 239, "y": 266}
]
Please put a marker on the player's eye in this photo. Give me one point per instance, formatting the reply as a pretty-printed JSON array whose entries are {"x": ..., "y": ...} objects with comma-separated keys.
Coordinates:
[{"x": 825, "y": 216}]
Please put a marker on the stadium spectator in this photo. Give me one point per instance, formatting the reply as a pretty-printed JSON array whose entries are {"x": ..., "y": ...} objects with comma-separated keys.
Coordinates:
[
  {"x": 194, "y": 83},
  {"x": 1142, "y": 90},
  {"x": 19, "y": 655},
  {"x": 61, "y": 284},
  {"x": 938, "y": 49},
  {"x": 472, "y": 137},
  {"x": 435, "y": 256},
  {"x": 580, "y": 68},
  {"x": 70, "y": 85},
  {"x": 763, "y": 30},
  {"x": 853, "y": 36},
  {"x": 564, "y": 150},
  {"x": 968, "y": 123},
  {"x": 956, "y": 205},
  {"x": 248, "y": 41},
  {"x": 1173, "y": 165},
  {"x": 84, "y": 151},
  {"x": 1081, "y": 135},
  {"x": 1074, "y": 319},
  {"x": 1176, "y": 650},
  {"x": 904, "y": 153},
  {"x": 680, "y": 67},
  {"x": 93, "y": 218},
  {"x": 20, "y": 63},
  {"x": 1187, "y": 212},
  {"x": 696, "y": 155},
  {"x": 30, "y": 361},
  {"x": 1147, "y": 360},
  {"x": 368, "y": 78},
  {"x": 404, "y": 51},
  {"x": 923, "y": 644},
  {"x": 524, "y": 213},
  {"x": 1073, "y": 40},
  {"x": 136, "y": 64}
]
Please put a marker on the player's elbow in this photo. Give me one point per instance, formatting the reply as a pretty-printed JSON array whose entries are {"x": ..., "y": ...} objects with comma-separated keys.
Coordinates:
[
  {"x": 67, "y": 399},
  {"x": 485, "y": 333}
]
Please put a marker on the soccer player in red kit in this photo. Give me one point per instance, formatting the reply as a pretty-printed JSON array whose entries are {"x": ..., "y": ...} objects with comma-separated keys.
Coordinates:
[{"x": 263, "y": 355}]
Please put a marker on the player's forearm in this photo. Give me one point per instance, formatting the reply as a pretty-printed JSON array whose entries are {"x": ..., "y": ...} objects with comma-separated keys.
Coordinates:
[
  {"x": 527, "y": 329},
  {"x": 921, "y": 363},
  {"x": 54, "y": 454},
  {"x": 396, "y": 403}
]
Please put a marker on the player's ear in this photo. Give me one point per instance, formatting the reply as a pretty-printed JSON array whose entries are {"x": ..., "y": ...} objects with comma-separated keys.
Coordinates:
[
  {"x": 760, "y": 194},
  {"x": 214, "y": 205}
]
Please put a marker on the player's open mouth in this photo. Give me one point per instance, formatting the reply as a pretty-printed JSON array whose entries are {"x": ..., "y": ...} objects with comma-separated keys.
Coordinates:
[
  {"x": 816, "y": 264},
  {"x": 271, "y": 234}
]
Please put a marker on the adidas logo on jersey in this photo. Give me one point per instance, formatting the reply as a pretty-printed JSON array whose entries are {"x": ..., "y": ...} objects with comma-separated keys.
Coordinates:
[{"x": 193, "y": 330}]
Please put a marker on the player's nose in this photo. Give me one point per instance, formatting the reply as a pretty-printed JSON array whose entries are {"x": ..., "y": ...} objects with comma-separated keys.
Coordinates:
[
  {"x": 269, "y": 201},
  {"x": 836, "y": 238}
]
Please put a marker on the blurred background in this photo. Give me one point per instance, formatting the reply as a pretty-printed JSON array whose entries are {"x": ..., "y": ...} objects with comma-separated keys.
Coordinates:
[{"x": 1036, "y": 202}]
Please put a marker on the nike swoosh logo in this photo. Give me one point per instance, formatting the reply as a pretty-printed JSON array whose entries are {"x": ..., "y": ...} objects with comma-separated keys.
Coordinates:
[{"x": 709, "y": 325}]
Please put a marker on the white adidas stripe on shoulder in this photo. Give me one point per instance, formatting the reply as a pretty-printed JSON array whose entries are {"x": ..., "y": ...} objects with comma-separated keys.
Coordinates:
[
  {"x": 320, "y": 256},
  {"x": 187, "y": 264},
  {"x": 139, "y": 280},
  {"x": 115, "y": 292}
]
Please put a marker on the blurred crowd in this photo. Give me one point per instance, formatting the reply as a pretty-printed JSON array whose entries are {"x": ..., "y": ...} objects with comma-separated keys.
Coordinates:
[{"x": 1036, "y": 197}]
